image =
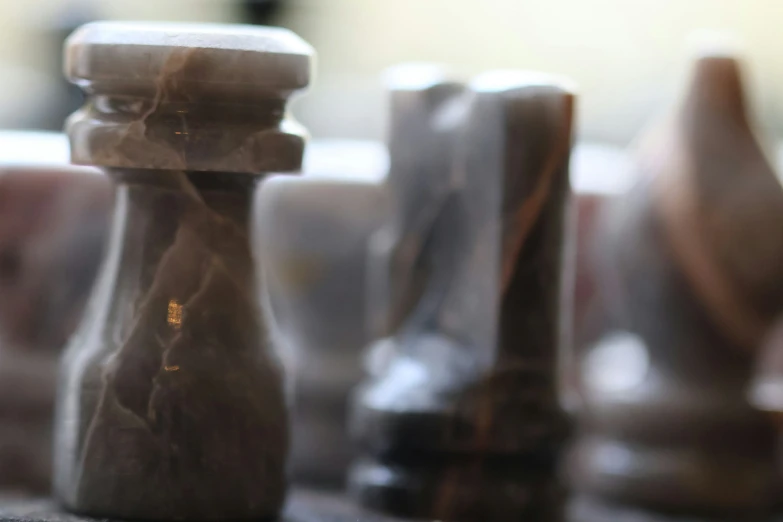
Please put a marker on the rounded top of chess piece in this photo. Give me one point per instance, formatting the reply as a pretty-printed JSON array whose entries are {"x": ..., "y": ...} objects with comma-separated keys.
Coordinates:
[{"x": 186, "y": 96}]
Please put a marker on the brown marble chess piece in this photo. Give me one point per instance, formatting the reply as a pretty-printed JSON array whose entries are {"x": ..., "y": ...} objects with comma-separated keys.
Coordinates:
[
  {"x": 690, "y": 270},
  {"x": 53, "y": 223},
  {"x": 171, "y": 403},
  {"x": 459, "y": 419}
]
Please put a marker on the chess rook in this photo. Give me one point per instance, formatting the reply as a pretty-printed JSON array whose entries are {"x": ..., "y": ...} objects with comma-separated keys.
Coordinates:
[{"x": 171, "y": 402}]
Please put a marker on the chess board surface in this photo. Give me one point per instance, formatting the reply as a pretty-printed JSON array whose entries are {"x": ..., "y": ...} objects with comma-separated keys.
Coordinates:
[
  {"x": 308, "y": 506},
  {"x": 584, "y": 509},
  {"x": 302, "y": 506}
]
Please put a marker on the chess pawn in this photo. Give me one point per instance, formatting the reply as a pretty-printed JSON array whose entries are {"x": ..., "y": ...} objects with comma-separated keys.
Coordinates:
[
  {"x": 53, "y": 223},
  {"x": 312, "y": 231},
  {"x": 458, "y": 419},
  {"x": 171, "y": 403},
  {"x": 690, "y": 270}
]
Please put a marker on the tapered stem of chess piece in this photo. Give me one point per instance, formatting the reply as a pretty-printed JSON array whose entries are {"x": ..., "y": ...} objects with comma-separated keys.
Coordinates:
[
  {"x": 171, "y": 402},
  {"x": 459, "y": 419},
  {"x": 690, "y": 269},
  {"x": 422, "y": 103}
]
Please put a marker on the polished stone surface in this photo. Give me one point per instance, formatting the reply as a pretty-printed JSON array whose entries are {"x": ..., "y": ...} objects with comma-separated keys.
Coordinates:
[
  {"x": 581, "y": 509},
  {"x": 302, "y": 506},
  {"x": 458, "y": 418},
  {"x": 171, "y": 402}
]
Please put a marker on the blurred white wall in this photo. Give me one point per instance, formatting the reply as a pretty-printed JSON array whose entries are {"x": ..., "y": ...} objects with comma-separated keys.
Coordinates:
[
  {"x": 21, "y": 21},
  {"x": 627, "y": 56},
  {"x": 29, "y": 68}
]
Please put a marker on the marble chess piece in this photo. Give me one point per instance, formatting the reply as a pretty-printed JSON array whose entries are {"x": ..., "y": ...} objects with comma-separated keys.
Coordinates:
[
  {"x": 171, "y": 401},
  {"x": 458, "y": 418},
  {"x": 689, "y": 268}
]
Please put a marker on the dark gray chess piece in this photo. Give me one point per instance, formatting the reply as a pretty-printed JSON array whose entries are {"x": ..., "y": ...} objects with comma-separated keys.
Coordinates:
[{"x": 459, "y": 417}]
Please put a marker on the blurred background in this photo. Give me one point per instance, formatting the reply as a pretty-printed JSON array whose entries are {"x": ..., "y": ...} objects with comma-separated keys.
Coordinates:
[{"x": 626, "y": 57}]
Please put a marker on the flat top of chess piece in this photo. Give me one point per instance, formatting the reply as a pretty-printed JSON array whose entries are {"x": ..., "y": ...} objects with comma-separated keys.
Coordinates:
[
  {"x": 195, "y": 97},
  {"x": 244, "y": 61}
]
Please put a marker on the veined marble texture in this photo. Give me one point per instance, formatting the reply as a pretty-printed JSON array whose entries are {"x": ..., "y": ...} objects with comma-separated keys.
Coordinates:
[{"x": 171, "y": 402}]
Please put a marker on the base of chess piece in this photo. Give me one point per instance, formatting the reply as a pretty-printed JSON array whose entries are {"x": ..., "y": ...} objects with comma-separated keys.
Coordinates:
[
  {"x": 302, "y": 506},
  {"x": 475, "y": 488}
]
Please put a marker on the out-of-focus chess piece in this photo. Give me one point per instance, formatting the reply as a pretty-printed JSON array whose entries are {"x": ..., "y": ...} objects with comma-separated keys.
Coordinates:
[
  {"x": 767, "y": 390},
  {"x": 690, "y": 268},
  {"x": 600, "y": 173},
  {"x": 458, "y": 418},
  {"x": 53, "y": 223},
  {"x": 171, "y": 402},
  {"x": 313, "y": 232}
]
